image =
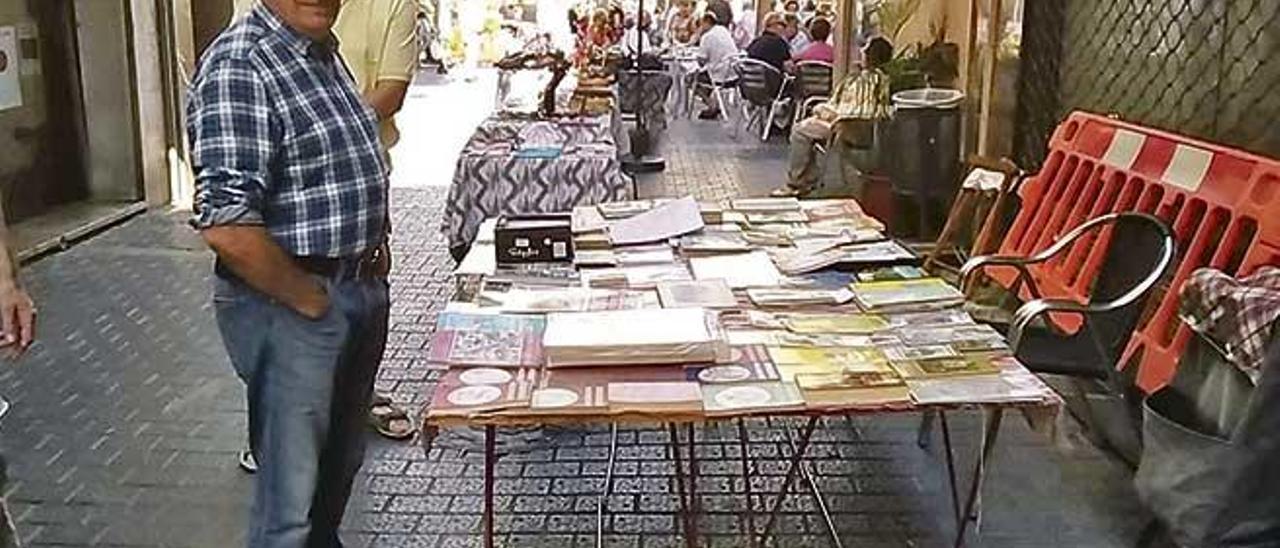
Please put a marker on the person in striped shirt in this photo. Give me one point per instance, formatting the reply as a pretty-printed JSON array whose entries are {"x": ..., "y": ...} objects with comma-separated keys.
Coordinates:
[{"x": 861, "y": 96}]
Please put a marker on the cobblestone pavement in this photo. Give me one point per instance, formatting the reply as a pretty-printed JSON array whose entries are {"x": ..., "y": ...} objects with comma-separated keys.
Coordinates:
[{"x": 127, "y": 418}]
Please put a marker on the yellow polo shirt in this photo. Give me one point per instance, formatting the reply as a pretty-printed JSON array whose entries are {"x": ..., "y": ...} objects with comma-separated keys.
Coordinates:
[{"x": 379, "y": 42}]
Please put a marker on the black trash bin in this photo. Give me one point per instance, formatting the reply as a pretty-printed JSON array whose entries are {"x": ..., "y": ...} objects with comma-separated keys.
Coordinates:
[{"x": 921, "y": 154}]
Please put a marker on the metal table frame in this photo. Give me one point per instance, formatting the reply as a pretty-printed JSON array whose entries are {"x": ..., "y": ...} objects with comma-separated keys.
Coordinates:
[{"x": 966, "y": 514}]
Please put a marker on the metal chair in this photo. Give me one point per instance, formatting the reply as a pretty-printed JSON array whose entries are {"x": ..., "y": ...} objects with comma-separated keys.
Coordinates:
[
  {"x": 1139, "y": 252},
  {"x": 813, "y": 80},
  {"x": 762, "y": 88}
]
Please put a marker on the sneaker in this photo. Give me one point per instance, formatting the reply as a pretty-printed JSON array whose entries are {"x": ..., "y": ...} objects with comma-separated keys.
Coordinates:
[
  {"x": 709, "y": 114},
  {"x": 248, "y": 463}
]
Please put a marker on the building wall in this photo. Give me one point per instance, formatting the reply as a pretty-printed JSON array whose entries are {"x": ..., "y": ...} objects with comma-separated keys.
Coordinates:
[{"x": 110, "y": 108}]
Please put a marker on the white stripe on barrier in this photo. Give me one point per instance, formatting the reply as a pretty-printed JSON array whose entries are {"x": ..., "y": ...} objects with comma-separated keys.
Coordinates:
[
  {"x": 1124, "y": 149},
  {"x": 1188, "y": 167}
]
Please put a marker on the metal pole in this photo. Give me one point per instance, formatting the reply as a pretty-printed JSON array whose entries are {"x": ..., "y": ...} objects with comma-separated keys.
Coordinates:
[
  {"x": 608, "y": 485},
  {"x": 792, "y": 470},
  {"x": 951, "y": 465},
  {"x": 989, "y": 433},
  {"x": 490, "y": 458}
]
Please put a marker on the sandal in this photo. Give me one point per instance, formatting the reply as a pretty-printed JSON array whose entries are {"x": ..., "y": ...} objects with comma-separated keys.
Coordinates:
[
  {"x": 788, "y": 192},
  {"x": 388, "y": 419}
]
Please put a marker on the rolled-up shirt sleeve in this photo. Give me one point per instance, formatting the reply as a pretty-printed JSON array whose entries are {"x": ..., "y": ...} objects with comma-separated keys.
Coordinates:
[{"x": 232, "y": 133}]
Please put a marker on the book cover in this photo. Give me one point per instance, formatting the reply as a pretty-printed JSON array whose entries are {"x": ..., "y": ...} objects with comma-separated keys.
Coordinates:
[
  {"x": 463, "y": 392},
  {"x": 675, "y": 397},
  {"x": 848, "y": 324},
  {"x": 747, "y": 364},
  {"x": 758, "y": 205},
  {"x": 584, "y": 390},
  {"x": 883, "y": 295},
  {"x": 678, "y": 335},
  {"x": 697, "y": 294},
  {"x": 502, "y": 340},
  {"x": 945, "y": 367},
  {"x": 715, "y": 241},
  {"x": 733, "y": 399}
]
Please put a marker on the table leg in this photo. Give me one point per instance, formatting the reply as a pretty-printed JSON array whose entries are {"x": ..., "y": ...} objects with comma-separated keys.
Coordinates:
[
  {"x": 490, "y": 460},
  {"x": 792, "y": 470},
  {"x": 925, "y": 433},
  {"x": 807, "y": 475},
  {"x": 695, "y": 508},
  {"x": 690, "y": 539},
  {"x": 750, "y": 521},
  {"x": 608, "y": 485},
  {"x": 951, "y": 464},
  {"x": 990, "y": 431}
]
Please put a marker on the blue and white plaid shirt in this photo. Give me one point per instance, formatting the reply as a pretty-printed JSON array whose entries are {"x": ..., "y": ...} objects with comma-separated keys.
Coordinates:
[{"x": 281, "y": 138}]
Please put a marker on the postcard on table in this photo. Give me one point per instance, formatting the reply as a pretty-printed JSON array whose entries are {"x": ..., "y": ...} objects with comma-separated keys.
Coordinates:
[
  {"x": 467, "y": 391},
  {"x": 748, "y": 397}
]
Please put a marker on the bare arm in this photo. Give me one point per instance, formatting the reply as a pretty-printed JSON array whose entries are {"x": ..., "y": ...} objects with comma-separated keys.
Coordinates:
[
  {"x": 387, "y": 97},
  {"x": 17, "y": 312},
  {"x": 251, "y": 254}
]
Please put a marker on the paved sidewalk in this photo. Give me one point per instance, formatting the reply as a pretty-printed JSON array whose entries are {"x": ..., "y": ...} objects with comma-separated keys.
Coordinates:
[{"x": 127, "y": 418}]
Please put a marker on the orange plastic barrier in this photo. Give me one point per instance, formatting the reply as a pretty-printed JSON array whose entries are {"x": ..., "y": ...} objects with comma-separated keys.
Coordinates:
[{"x": 1223, "y": 205}]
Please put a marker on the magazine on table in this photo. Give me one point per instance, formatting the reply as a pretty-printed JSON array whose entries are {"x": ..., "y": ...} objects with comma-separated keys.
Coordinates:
[
  {"x": 740, "y": 271},
  {"x": 466, "y": 391},
  {"x": 697, "y": 294},
  {"x": 904, "y": 294}
]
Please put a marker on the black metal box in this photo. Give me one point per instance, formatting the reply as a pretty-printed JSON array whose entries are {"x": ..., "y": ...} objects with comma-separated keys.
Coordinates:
[{"x": 523, "y": 239}]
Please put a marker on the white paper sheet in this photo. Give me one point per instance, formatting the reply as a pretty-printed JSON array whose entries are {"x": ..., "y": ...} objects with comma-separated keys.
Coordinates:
[
  {"x": 10, "y": 84},
  {"x": 674, "y": 218},
  {"x": 741, "y": 270}
]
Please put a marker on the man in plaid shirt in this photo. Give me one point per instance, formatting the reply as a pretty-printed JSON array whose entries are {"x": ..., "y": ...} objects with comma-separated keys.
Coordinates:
[{"x": 292, "y": 197}]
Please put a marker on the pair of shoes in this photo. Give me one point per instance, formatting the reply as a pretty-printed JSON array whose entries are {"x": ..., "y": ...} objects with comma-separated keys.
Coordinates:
[
  {"x": 788, "y": 192},
  {"x": 247, "y": 462},
  {"x": 709, "y": 114}
]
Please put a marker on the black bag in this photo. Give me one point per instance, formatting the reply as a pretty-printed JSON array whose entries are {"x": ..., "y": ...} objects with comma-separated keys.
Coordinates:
[{"x": 1210, "y": 468}]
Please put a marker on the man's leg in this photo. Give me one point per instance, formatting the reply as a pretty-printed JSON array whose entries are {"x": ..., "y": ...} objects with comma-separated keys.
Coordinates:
[
  {"x": 802, "y": 164},
  {"x": 353, "y": 385},
  {"x": 289, "y": 364},
  {"x": 8, "y": 536}
]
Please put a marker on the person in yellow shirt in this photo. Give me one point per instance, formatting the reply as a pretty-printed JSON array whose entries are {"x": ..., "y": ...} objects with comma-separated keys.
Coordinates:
[{"x": 378, "y": 40}]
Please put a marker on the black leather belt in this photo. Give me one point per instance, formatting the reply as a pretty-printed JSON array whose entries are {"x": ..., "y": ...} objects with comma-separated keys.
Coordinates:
[{"x": 362, "y": 267}]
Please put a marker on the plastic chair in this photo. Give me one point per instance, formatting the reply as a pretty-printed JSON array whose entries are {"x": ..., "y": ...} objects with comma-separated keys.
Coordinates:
[
  {"x": 814, "y": 79},
  {"x": 721, "y": 90},
  {"x": 762, "y": 88}
]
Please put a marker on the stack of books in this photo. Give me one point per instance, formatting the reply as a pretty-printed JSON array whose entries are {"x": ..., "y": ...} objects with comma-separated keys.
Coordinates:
[{"x": 631, "y": 337}]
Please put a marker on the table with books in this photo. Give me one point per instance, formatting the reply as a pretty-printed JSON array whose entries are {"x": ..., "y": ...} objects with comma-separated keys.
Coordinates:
[
  {"x": 678, "y": 313},
  {"x": 521, "y": 164}
]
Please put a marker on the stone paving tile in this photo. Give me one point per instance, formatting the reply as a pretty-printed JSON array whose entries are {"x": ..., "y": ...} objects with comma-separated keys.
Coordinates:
[{"x": 127, "y": 418}]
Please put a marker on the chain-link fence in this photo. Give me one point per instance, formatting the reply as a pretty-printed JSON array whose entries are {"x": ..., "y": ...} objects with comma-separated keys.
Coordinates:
[{"x": 1204, "y": 68}]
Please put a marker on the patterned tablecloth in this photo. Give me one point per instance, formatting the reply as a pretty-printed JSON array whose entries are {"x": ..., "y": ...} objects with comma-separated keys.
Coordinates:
[{"x": 492, "y": 178}]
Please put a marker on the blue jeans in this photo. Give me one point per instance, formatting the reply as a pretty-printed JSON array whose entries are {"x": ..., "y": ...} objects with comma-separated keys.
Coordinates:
[
  {"x": 309, "y": 384},
  {"x": 8, "y": 537}
]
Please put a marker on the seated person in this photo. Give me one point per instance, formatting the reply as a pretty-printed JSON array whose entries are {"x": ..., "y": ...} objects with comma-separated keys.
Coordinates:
[
  {"x": 796, "y": 37},
  {"x": 819, "y": 49},
  {"x": 715, "y": 48},
  {"x": 681, "y": 28},
  {"x": 861, "y": 96},
  {"x": 770, "y": 46}
]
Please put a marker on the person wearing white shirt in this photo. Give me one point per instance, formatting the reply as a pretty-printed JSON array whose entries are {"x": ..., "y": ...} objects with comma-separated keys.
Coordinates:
[{"x": 716, "y": 47}]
